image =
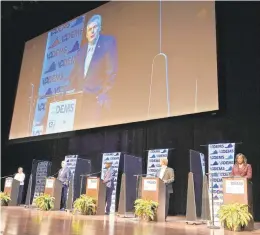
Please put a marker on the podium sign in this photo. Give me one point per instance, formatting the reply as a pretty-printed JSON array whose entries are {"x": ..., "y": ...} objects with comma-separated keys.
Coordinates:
[
  {"x": 235, "y": 186},
  {"x": 92, "y": 183},
  {"x": 49, "y": 183},
  {"x": 150, "y": 184},
  {"x": 8, "y": 182}
]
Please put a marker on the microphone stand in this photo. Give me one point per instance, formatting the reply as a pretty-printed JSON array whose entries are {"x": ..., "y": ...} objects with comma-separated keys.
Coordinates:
[{"x": 212, "y": 226}]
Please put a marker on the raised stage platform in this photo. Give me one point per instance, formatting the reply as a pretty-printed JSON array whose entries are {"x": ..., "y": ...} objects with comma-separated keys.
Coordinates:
[{"x": 22, "y": 221}]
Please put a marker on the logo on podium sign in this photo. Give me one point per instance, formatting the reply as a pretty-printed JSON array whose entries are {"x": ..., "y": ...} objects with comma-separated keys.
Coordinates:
[
  {"x": 235, "y": 186},
  {"x": 92, "y": 183},
  {"x": 49, "y": 183},
  {"x": 150, "y": 184},
  {"x": 8, "y": 182}
]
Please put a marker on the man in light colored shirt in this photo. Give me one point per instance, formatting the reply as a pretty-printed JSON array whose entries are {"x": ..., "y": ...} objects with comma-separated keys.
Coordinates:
[
  {"x": 166, "y": 174},
  {"x": 20, "y": 176}
]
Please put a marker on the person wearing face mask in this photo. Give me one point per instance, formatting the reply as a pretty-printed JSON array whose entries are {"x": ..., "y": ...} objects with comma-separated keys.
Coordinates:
[
  {"x": 64, "y": 176},
  {"x": 20, "y": 176},
  {"x": 241, "y": 167}
]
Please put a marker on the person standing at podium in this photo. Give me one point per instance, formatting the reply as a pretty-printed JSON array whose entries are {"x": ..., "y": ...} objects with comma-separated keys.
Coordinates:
[
  {"x": 109, "y": 182},
  {"x": 241, "y": 168},
  {"x": 20, "y": 176},
  {"x": 64, "y": 176},
  {"x": 166, "y": 174}
]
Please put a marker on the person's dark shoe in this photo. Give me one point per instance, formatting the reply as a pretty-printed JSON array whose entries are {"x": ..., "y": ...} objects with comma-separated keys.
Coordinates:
[
  {"x": 62, "y": 209},
  {"x": 107, "y": 213}
]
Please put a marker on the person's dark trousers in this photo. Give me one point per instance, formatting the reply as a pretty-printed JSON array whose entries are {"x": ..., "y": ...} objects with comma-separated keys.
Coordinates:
[
  {"x": 20, "y": 195},
  {"x": 63, "y": 196},
  {"x": 167, "y": 201},
  {"x": 109, "y": 192}
]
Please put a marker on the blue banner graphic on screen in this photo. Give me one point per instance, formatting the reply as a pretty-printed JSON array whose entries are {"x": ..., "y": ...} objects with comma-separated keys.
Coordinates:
[
  {"x": 62, "y": 46},
  {"x": 41, "y": 174},
  {"x": 221, "y": 161},
  {"x": 153, "y": 162},
  {"x": 114, "y": 158}
]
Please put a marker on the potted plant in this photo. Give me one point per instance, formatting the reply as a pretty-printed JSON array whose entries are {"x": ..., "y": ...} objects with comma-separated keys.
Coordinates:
[
  {"x": 85, "y": 205},
  {"x": 234, "y": 216},
  {"x": 146, "y": 209},
  {"x": 5, "y": 199},
  {"x": 44, "y": 202}
]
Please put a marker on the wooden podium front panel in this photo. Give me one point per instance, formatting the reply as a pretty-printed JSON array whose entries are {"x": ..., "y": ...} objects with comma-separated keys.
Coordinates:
[
  {"x": 92, "y": 187},
  {"x": 235, "y": 190},
  {"x": 150, "y": 189},
  {"x": 49, "y": 186},
  {"x": 8, "y": 186}
]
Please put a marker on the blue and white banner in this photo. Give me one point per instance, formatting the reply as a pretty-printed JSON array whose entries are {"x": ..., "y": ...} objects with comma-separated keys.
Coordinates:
[
  {"x": 153, "y": 162},
  {"x": 203, "y": 163},
  {"x": 41, "y": 175},
  {"x": 61, "y": 49},
  {"x": 221, "y": 161},
  {"x": 71, "y": 162},
  {"x": 114, "y": 158}
]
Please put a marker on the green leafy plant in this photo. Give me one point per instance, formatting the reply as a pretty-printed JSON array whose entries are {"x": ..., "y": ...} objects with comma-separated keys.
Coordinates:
[
  {"x": 44, "y": 202},
  {"x": 85, "y": 205},
  {"x": 146, "y": 209},
  {"x": 234, "y": 216},
  {"x": 5, "y": 199}
]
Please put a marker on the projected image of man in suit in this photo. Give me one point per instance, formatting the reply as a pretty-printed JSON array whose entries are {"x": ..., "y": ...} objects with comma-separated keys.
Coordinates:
[
  {"x": 95, "y": 72},
  {"x": 64, "y": 176},
  {"x": 109, "y": 182},
  {"x": 166, "y": 174}
]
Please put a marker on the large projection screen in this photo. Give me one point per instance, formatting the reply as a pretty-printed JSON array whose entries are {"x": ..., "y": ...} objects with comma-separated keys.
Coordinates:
[{"x": 120, "y": 63}]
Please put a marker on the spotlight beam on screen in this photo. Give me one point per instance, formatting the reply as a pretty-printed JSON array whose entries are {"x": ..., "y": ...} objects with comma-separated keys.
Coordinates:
[
  {"x": 30, "y": 110},
  {"x": 166, "y": 68}
]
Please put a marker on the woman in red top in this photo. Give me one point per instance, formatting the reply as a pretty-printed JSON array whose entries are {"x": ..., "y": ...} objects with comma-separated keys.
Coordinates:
[{"x": 241, "y": 168}]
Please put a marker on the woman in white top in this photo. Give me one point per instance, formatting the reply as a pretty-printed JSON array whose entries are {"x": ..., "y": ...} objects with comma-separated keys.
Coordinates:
[{"x": 20, "y": 176}]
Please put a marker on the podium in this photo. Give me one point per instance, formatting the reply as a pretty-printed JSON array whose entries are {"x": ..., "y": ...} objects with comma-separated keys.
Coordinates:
[
  {"x": 155, "y": 189},
  {"x": 97, "y": 190},
  {"x": 239, "y": 190},
  {"x": 53, "y": 187},
  {"x": 12, "y": 189}
]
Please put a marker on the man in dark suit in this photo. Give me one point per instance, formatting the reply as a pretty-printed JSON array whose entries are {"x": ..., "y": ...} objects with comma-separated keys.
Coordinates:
[
  {"x": 64, "y": 176},
  {"x": 94, "y": 71},
  {"x": 166, "y": 174},
  {"x": 109, "y": 182}
]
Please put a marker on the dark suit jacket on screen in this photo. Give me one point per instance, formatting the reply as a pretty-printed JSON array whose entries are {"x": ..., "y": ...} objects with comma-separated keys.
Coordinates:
[{"x": 102, "y": 68}]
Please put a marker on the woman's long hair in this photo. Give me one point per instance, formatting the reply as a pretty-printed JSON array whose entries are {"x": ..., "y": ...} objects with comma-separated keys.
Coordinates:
[{"x": 243, "y": 156}]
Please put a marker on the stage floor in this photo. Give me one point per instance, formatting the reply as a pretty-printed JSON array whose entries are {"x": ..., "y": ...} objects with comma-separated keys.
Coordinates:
[{"x": 22, "y": 221}]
